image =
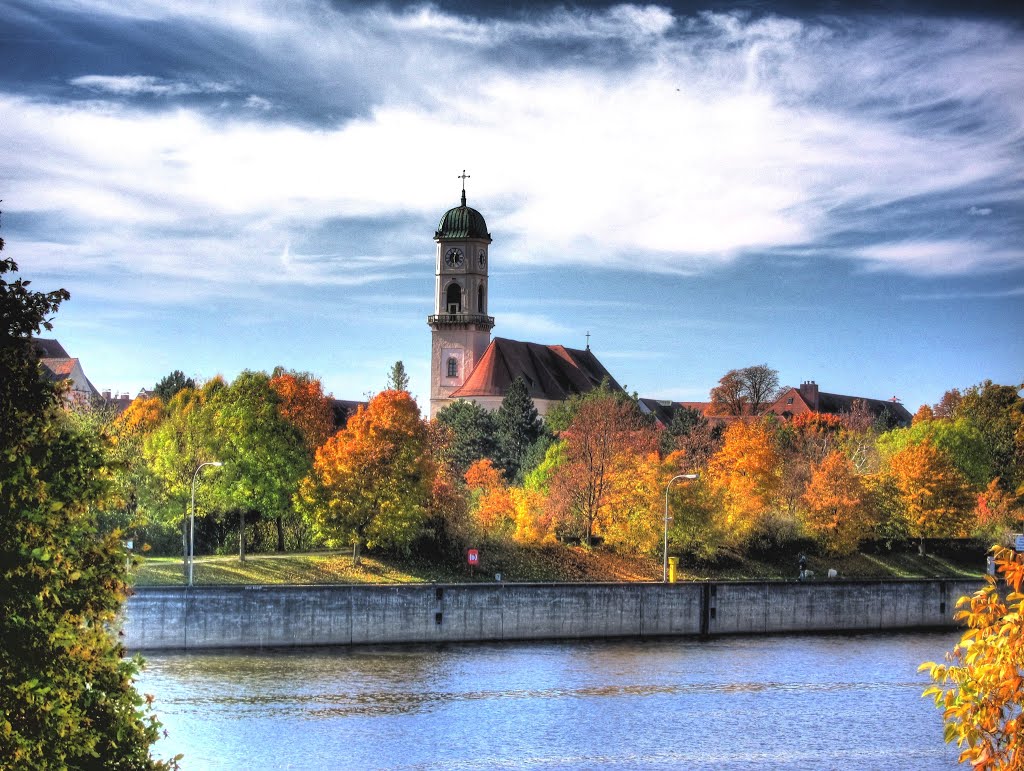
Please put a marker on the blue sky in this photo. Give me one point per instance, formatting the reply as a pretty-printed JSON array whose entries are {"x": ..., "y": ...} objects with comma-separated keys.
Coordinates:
[{"x": 230, "y": 185}]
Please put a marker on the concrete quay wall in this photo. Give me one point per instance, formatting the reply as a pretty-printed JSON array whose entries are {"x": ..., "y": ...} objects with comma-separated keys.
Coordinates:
[{"x": 207, "y": 617}]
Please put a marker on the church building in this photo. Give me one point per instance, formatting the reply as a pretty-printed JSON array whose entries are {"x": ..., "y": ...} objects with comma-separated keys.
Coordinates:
[{"x": 466, "y": 363}]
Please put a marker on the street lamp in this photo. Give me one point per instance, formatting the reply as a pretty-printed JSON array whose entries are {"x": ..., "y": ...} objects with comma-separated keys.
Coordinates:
[
  {"x": 192, "y": 517},
  {"x": 664, "y": 564}
]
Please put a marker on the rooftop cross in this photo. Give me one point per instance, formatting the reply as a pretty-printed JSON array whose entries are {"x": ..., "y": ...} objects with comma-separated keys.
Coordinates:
[
  {"x": 588, "y": 339},
  {"x": 464, "y": 176}
]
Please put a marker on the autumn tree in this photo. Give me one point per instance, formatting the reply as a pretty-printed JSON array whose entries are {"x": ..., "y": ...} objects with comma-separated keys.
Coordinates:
[
  {"x": 745, "y": 474},
  {"x": 492, "y": 505},
  {"x": 301, "y": 401},
  {"x": 835, "y": 513},
  {"x": 599, "y": 445},
  {"x": 745, "y": 391},
  {"x": 935, "y": 495},
  {"x": 923, "y": 415},
  {"x": 999, "y": 512},
  {"x": 517, "y": 427},
  {"x": 728, "y": 397},
  {"x": 67, "y": 698},
  {"x": 980, "y": 689},
  {"x": 170, "y": 384},
  {"x": 949, "y": 405},
  {"x": 125, "y": 438},
  {"x": 371, "y": 482}
]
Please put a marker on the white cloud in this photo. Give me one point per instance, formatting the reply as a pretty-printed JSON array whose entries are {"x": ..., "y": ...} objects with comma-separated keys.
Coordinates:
[
  {"x": 938, "y": 257},
  {"x": 133, "y": 85},
  {"x": 715, "y": 136}
]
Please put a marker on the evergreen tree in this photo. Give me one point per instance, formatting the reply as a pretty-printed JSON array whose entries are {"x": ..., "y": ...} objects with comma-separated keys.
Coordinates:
[
  {"x": 66, "y": 694},
  {"x": 518, "y": 427},
  {"x": 684, "y": 421},
  {"x": 171, "y": 384},
  {"x": 398, "y": 380},
  {"x": 471, "y": 436}
]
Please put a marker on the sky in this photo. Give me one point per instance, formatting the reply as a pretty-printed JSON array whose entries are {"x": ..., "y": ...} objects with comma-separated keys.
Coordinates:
[{"x": 239, "y": 184}]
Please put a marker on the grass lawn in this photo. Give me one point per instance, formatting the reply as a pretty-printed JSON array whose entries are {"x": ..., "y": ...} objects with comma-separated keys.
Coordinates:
[{"x": 531, "y": 564}]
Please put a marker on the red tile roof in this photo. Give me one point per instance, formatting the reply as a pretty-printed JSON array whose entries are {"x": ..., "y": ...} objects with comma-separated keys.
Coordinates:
[{"x": 551, "y": 372}]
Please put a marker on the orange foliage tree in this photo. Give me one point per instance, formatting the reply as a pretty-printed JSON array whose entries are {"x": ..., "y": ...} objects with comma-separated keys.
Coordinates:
[
  {"x": 372, "y": 481},
  {"x": 304, "y": 405},
  {"x": 835, "y": 514},
  {"x": 600, "y": 443},
  {"x": 745, "y": 474},
  {"x": 936, "y": 496},
  {"x": 493, "y": 508},
  {"x": 981, "y": 688}
]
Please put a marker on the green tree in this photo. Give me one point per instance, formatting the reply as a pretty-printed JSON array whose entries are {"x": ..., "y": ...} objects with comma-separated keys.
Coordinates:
[
  {"x": 518, "y": 427},
  {"x": 965, "y": 444},
  {"x": 170, "y": 384},
  {"x": 471, "y": 436},
  {"x": 264, "y": 454},
  {"x": 66, "y": 693},
  {"x": 998, "y": 413},
  {"x": 173, "y": 451},
  {"x": 398, "y": 380}
]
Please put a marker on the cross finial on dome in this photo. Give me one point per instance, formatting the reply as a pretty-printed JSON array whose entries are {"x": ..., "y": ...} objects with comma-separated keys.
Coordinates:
[{"x": 464, "y": 176}]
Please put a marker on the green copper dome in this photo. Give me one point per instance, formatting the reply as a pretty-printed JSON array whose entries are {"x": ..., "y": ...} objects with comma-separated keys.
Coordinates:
[{"x": 462, "y": 222}]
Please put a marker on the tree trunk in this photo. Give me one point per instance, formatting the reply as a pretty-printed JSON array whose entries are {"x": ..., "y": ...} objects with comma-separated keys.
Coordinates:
[
  {"x": 920, "y": 547},
  {"x": 241, "y": 535},
  {"x": 356, "y": 559},
  {"x": 280, "y": 533}
]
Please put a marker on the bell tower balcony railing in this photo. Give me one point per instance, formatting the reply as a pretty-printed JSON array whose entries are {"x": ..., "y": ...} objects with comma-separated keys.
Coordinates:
[{"x": 460, "y": 319}]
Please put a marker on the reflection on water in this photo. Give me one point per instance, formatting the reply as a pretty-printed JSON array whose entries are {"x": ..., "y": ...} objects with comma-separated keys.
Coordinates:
[{"x": 821, "y": 702}]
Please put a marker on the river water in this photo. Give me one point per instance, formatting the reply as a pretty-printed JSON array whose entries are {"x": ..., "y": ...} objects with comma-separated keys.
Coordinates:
[{"x": 790, "y": 702}]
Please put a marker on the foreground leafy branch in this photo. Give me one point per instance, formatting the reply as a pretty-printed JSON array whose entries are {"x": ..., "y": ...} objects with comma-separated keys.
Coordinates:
[{"x": 981, "y": 688}]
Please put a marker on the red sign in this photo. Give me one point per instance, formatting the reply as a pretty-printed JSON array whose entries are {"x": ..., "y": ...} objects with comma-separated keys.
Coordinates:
[{"x": 472, "y": 556}]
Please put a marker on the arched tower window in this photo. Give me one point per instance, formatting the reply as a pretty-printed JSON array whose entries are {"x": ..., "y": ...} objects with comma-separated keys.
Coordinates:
[
  {"x": 453, "y": 367},
  {"x": 480, "y": 299},
  {"x": 453, "y": 298}
]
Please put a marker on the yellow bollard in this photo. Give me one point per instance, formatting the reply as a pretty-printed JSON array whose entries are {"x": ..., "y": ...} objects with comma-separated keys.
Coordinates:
[{"x": 673, "y": 563}]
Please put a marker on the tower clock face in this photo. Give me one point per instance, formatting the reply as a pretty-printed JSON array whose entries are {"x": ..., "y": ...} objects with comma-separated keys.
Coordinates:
[
  {"x": 454, "y": 258},
  {"x": 483, "y": 258}
]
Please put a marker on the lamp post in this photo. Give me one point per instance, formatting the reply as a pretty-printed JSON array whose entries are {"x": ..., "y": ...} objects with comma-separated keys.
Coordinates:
[
  {"x": 192, "y": 517},
  {"x": 664, "y": 562}
]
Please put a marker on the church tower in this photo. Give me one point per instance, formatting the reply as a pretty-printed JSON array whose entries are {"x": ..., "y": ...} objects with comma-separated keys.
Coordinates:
[{"x": 460, "y": 324}]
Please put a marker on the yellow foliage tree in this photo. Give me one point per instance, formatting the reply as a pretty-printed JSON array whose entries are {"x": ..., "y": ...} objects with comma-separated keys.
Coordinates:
[
  {"x": 634, "y": 519},
  {"x": 745, "y": 474},
  {"x": 936, "y": 496},
  {"x": 835, "y": 512},
  {"x": 981, "y": 689}
]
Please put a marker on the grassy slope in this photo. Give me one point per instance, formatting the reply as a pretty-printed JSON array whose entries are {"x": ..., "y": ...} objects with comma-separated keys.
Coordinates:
[{"x": 543, "y": 564}]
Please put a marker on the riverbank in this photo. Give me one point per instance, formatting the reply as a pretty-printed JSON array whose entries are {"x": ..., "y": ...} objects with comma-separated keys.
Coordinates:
[
  {"x": 555, "y": 564},
  {"x": 203, "y": 617}
]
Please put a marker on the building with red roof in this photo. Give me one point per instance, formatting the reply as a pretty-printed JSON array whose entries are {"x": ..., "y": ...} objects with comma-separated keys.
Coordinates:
[{"x": 465, "y": 362}]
